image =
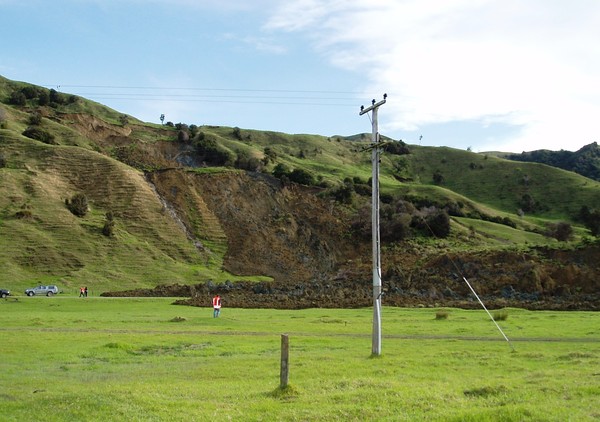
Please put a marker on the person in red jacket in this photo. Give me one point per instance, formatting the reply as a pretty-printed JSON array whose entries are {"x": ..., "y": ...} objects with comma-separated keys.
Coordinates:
[{"x": 216, "y": 306}]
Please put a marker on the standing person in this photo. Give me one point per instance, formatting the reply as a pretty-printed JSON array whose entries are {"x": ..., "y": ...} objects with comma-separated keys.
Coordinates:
[
  {"x": 85, "y": 291},
  {"x": 216, "y": 306},
  {"x": 81, "y": 292}
]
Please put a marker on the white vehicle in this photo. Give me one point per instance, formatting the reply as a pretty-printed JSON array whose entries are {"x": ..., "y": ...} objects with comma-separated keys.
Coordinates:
[{"x": 42, "y": 290}]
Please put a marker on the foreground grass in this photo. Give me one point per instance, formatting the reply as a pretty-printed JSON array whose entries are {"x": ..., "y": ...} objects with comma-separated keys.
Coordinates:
[{"x": 66, "y": 358}]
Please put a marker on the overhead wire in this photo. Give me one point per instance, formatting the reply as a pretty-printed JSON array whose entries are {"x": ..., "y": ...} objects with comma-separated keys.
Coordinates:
[{"x": 215, "y": 95}]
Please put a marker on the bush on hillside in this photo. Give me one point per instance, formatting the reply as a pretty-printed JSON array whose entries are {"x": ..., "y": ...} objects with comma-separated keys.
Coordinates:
[
  {"x": 343, "y": 193},
  {"x": 17, "y": 98},
  {"x": 78, "y": 204},
  {"x": 245, "y": 161},
  {"x": 109, "y": 225},
  {"x": 212, "y": 153},
  {"x": 561, "y": 231},
  {"x": 39, "y": 134},
  {"x": 302, "y": 177},
  {"x": 591, "y": 219},
  {"x": 396, "y": 148},
  {"x": 35, "y": 118},
  {"x": 269, "y": 155},
  {"x": 56, "y": 97},
  {"x": 183, "y": 136},
  {"x": 280, "y": 170},
  {"x": 3, "y": 118},
  {"x": 432, "y": 222}
]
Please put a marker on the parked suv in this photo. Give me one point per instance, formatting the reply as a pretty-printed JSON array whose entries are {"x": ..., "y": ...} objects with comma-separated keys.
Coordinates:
[
  {"x": 42, "y": 290},
  {"x": 4, "y": 293}
]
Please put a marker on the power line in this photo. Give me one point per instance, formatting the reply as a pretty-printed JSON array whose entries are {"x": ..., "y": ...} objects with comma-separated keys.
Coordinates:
[{"x": 202, "y": 89}]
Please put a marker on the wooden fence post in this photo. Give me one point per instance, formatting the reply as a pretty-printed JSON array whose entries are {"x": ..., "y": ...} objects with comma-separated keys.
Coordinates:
[{"x": 284, "y": 371}]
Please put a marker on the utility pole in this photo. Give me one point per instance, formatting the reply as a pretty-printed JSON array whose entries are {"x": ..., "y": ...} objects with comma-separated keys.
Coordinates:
[{"x": 377, "y": 291}]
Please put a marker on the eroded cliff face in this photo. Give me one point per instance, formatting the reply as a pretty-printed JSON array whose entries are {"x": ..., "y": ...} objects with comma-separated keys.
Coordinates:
[
  {"x": 305, "y": 244},
  {"x": 284, "y": 232}
]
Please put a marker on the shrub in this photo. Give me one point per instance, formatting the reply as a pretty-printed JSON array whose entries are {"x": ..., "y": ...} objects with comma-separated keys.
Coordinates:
[
  {"x": 39, "y": 134},
  {"x": 78, "y": 205},
  {"x": 213, "y": 153},
  {"x": 396, "y": 148},
  {"x": 591, "y": 219},
  {"x": 501, "y": 315},
  {"x": 302, "y": 177},
  {"x": 237, "y": 133},
  {"x": 439, "y": 223},
  {"x": 2, "y": 160},
  {"x": 17, "y": 98},
  {"x": 438, "y": 178},
  {"x": 280, "y": 170},
  {"x": 44, "y": 98},
  {"x": 560, "y": 231},
  {"x": 56, "y": 97},
  {"x": 441, "y": 315},
  {"x": 245, "y": 161},
  {"x": 183, "y": 136},
  {"x": 24, "y": 212},
  {"x": 270, "y": 155},
  {"x": 109, "y": 225},
  {"x": 35, "y": 118},
  {"x": 343, "y": 194}
]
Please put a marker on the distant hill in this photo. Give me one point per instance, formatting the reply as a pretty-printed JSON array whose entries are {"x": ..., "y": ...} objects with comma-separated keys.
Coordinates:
[
  {"x": 586, "y": 161},
  {"x": 91, "y": 196}
]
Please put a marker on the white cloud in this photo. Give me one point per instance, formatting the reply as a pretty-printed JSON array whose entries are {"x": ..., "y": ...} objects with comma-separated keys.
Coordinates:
[{"x": 532, "y": 63}]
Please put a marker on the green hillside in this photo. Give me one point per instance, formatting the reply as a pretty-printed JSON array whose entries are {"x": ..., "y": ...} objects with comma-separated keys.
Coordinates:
[{"x": 172, "y": 225}]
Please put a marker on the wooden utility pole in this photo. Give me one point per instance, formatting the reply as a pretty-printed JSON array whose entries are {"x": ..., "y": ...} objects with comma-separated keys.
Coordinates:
[{"x": 377, "y": 291}]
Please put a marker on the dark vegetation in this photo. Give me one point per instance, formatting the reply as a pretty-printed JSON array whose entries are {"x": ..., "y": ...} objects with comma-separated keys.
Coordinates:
[{"x": 585, "y": 161}]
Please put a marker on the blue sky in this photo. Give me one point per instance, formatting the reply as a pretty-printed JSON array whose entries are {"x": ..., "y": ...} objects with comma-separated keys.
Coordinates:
[{"x": 502, "y": 75}]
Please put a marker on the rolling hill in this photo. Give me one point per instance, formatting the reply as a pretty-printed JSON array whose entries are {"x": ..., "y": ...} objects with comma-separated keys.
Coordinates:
[{"x": 271, "y": 213}]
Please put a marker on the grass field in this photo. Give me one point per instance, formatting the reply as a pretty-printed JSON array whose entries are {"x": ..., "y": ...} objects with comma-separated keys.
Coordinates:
[{"x": 71, "y": 359}]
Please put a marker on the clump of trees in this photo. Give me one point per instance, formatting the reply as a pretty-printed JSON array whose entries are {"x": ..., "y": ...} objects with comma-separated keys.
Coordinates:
[
  {"x": 301, "y": 176},
  {"x": 41, "y": 96},
  {"x": 401, "y": 219}
]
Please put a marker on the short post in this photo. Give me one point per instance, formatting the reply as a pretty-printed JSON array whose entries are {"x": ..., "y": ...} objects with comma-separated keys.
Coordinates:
[{"x": 284, "y": 371}]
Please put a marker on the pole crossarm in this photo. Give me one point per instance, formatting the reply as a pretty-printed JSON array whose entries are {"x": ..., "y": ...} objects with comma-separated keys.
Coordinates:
[{"x": 375, "y": 105}]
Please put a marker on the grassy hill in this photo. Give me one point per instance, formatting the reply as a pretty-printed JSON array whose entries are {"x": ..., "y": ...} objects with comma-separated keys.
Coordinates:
[{"x": 196, "y": 203}]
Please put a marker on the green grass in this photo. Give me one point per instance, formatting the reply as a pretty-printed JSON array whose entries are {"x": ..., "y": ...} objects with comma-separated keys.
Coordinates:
[{"x": 66, "y": 358}]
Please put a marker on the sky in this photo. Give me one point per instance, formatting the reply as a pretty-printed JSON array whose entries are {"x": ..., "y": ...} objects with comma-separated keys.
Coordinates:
[{"x": 484, "y": 75}]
